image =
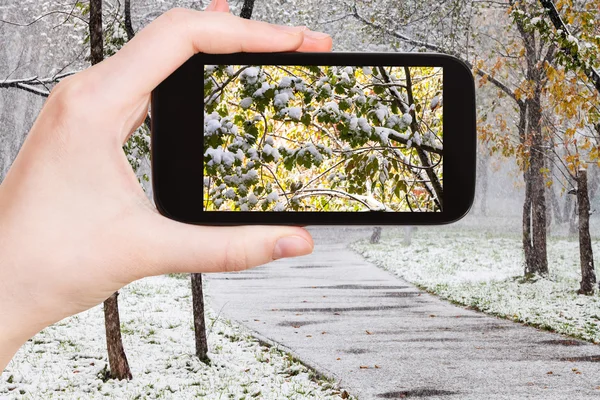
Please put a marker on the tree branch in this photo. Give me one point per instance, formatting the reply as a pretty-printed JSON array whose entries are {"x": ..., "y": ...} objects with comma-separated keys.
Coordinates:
[
  {"x": 564, "y": 32},
  {"x": 438, "y": 49}
]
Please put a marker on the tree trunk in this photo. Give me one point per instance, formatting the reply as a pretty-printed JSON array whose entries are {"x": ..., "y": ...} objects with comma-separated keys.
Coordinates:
[
  {"x": 376, "y": 235},
  {"x": 586, "y": 256},
  {"x": 483, "y": 180},
  {"x": 555, "y": 206},
  {"x": 408, "y": 232},
  {"x": 247, "y": 9},
  {"x": 96, "y": 35},
  {"x": 119, "y": 367},
  {"x": 527, "y": 224},
  {"x": 199, "y": 322},
  {"x": 128, "y": 26},
  {"x": 538, "y": 261}
]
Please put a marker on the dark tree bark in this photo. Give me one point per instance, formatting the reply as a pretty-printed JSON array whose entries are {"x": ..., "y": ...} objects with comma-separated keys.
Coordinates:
[
  {"x": 247, "y": 9},
  {"x": 199, "y": 322},
  {"x": 530, "y": 132},
  {"x": 482, "y": 178},
  {"x": 128, "y": 26},
  {"x": 538, "y": 260},
  {"x": 96, "y": 34},
  {"x": 376, "y": 235},
  {"x": 119, "y": 367},
  {"x": 586, "y": 255}
]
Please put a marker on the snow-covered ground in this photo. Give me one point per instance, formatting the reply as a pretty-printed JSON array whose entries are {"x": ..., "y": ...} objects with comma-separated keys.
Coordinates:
[
  {"x": 484, "y": 270},
  {"x": 68, "y": 359}
]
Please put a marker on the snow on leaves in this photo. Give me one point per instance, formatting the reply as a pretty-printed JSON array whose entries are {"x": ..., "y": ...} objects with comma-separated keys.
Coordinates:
[{"x": 312, "y": 138}]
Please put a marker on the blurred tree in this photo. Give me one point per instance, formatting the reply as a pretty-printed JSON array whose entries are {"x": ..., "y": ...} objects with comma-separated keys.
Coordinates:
[
  {"x": 119, "y": 367},
  {"x": 247, "y": 9},
  {"x": 588, "y": 275},
  {"x": 199, "y": 318},
  {"x": 376, "y": 235}
]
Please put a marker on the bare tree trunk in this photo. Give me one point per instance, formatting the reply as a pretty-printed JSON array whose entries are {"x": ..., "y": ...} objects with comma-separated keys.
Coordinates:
[
  {"x": 96, "y": 34},
  {"x": 483, "y": 180},
  {"x": 199, "y": 322},
  {"x": 586, "y": 256},
  {"x": 573, "y": 221},
  {"x": 408, "y": 233},
  {"x": 555, "y": 206},
  {"x": 527, "y": 246},
  {"x": 247, "y": 9},
  {"x": 128, "y": 26},
  {"x": 537, "y": 263},
  {"x": 376, "y": 235},
  {"x": 119, "y": 367}
]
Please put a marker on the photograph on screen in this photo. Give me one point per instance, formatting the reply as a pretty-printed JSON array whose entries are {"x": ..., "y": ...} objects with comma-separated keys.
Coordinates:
[{"x": 323, "y": 138}]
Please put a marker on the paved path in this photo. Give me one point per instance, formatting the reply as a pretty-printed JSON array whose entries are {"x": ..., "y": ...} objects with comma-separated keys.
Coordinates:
[{"x": 383, "y": 338}]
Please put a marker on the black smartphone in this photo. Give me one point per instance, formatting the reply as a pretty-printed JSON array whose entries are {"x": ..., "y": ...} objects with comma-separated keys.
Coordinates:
[{"x": 315, "y": 138}]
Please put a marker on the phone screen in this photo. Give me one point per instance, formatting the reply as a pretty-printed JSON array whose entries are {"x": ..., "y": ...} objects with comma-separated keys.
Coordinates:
[{"x": 323, "y": 138}]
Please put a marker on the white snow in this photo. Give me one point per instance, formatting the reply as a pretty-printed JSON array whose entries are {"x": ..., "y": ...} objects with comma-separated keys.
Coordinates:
[
  {"x": 273, "y": 196},
  {"x": 211, "y": 127},
  {"x": 65, "y": 360},
  {"x": 220, "y": 156},
  {"x": 364, "y": 124},
  {"x": 285, "y": 82},
  {"x": 246, "y": 103},
  {"x": 259, "y": 92},
  {"x": 281, "y": 100},
  {"x": 483, "y": 271},
  {"x": 250, "y": 75},
  {"x": 252, "y": 200},
  {"x": 295, "y": 113}
]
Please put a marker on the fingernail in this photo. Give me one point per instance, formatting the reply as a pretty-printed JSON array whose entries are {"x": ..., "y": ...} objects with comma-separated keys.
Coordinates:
[
  {"x": 294, "y": 29},
  {"x": 291, "y": 246},
  {"x": 316, "y": 35}
]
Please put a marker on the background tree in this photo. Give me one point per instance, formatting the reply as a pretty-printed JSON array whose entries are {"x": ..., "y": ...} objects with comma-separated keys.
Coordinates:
[
  {"x": 247, "y": 9},
  {"x": 119, "y": 367}
]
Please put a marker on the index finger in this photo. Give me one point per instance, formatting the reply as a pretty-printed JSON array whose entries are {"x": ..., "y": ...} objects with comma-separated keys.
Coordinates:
[{"x": 169, "y": 41}]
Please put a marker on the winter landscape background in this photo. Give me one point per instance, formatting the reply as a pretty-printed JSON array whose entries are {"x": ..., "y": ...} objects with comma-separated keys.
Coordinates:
[{"x": 432, "y": 312}]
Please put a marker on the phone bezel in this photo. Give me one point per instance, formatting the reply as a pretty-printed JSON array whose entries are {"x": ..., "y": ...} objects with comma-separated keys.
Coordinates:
[{"x": 177, "y": 165}]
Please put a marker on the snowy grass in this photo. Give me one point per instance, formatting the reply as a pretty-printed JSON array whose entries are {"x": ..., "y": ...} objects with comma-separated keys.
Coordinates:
[
  {"x": 68, "y": 359},
  {"x": 484, "y": 270}
]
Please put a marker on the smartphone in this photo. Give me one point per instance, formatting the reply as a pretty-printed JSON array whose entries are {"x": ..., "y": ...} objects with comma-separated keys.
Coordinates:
[{"x": 315, "y": 138}]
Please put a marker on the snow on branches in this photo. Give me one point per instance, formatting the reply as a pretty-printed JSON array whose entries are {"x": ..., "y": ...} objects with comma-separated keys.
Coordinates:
[{"x": 307, "y": 138}]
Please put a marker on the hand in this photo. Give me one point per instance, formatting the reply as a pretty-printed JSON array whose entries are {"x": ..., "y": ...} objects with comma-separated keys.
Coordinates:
[{"x": 75, "y": 225}]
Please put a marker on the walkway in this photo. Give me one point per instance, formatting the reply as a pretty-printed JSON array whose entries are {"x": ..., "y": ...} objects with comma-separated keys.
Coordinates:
[{"x": 383, "y": 339}]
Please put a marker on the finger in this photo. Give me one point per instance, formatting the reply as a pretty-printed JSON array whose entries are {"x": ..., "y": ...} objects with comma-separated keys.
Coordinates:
[
  {"x": 175, "y": 36},
  {"x": 316, "y": 42},
  {"x": 171, "y": 247},
  {"x": 218, "y": 6}
]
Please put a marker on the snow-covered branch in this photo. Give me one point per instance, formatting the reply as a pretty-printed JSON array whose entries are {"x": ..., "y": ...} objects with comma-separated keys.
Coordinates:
[
  {"x": 433, "y": 47},
  {"x": 565, "y": 34},
  {"x": 404, "y": 138},
  {"x": 368, "y": 201},
  {"x": 31, "y": 84}
]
